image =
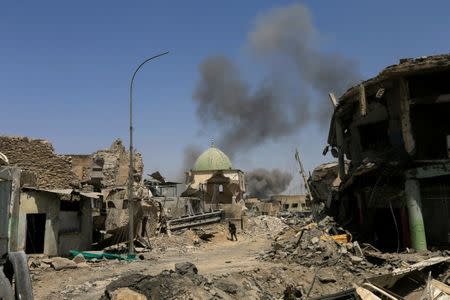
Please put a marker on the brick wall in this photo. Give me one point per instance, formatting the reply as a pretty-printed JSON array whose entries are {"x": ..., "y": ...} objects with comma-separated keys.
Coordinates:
[
  {"x": 81, "y": 165},
  {"x": 37, "y": 157},
  {"x": 116, "y": 162}
]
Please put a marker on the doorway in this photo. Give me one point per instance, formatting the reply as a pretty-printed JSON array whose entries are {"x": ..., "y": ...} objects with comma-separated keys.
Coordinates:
[{"x": 35, "y": 233}]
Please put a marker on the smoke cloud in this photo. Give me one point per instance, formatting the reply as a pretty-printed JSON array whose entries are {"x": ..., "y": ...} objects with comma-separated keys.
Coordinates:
[
  {"x": 190, "y": 155},
  {"x": 294, "y": 92},
  {"x": 263, "y": 183},
  {"x": 282, "y": 39}
]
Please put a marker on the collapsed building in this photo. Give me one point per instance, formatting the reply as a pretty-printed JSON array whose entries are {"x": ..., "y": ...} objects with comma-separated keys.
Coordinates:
[
  {"x": 74, "y": 202},
  {"x": 51, "y": 215},
  {"x": 391, "y": 135},
  {"x": 107, "y": 172}
]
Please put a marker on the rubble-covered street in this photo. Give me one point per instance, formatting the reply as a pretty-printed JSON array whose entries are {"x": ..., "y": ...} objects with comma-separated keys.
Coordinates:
[
  {"x": 274, "y": 150},
  {"x": 276, "y": 258}
]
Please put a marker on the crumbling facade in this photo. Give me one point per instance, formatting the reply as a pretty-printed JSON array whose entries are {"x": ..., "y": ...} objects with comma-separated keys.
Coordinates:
[
  {"x": 393, "y": 131},
  {"x": 292, "y": 203},
  {"x": 51, "y": 215},
  {"x": 40, "y": 165},
  {"x": 107, "y": 172},
  {"x": 106, "y": 168}
]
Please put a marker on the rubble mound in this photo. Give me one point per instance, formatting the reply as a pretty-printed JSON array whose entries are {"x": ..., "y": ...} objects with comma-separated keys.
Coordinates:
[
  {"x": 337, "y": 262},
  {"x": 263, "y": 225},
  {"x": 259, "y": 283},
  {"x": 183, "y": 283},
  {"x": 166, "y": 285}
]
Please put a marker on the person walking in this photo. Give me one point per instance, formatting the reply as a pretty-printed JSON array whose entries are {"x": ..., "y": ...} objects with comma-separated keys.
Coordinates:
[{"x": 232, "y": 230}]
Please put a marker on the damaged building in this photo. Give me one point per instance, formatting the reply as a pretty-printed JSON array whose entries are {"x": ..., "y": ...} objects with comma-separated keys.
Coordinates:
[
  {"x": 76, "y": 201},
  {"x": 51, "y": 215},
  {"x": 214, "y": 176},
  {"x": 107, "y": 172},
  {"x": 391, "y": 135},
  {"x": 297, "y": 204}
]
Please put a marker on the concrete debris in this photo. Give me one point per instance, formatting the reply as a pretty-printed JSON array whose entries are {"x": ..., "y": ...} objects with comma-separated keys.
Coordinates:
[
  {"x": 126, "y": 294},
  {"x": 355, "y": 259},
  {"x": 266, "y": 225},
  {"x": 61, "y": 263},
  {"x": 173, "y": 285},
  {"x": 186, "y": 268},
  {"x": 310, "y": 244},
  {"x": 300, "y": 260},
  {"x": 78, "y": 259}
]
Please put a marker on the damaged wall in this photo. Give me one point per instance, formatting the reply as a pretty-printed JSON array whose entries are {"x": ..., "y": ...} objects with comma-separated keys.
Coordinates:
[
  {"x": 116, "y": 163},
  {"x": 110, "y": 166},
  {"x": 33, "y": 202},
  {"x": 81, "y": 165},
  {"x": 38, "y": 157}
]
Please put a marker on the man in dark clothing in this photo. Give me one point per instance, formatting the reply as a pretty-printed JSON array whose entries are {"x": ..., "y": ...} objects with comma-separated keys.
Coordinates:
[{"x": 232, "y": 230}]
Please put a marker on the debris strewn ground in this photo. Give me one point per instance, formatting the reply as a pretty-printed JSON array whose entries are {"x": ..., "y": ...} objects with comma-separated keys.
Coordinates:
[{"x": 293, "y": 258}]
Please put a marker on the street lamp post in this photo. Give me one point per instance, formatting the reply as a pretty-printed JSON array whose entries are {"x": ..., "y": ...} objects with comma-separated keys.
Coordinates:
[{"x": 131, "y": 167}]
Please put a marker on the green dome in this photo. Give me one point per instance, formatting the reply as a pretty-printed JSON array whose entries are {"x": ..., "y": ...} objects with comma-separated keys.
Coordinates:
[{"x": 212, "y": 159}]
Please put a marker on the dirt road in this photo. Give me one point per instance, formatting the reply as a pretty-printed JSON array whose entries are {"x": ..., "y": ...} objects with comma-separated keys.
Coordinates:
[{"x": 89, "y": 282}]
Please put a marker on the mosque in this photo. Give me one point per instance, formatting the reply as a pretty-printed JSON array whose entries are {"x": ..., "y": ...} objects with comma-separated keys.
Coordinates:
[{"x": 215, "y": 178}]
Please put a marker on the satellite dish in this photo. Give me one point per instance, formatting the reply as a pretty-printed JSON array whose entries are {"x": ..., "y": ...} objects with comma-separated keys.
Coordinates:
[{"x": 4, "y": 159}]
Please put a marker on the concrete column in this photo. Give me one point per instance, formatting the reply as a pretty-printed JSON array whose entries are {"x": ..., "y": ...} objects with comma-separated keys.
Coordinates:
[{"x": 416, "y": 225}]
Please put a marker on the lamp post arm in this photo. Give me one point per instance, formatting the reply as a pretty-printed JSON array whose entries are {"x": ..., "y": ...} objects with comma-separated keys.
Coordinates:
[{"x": 131, "y": 166}]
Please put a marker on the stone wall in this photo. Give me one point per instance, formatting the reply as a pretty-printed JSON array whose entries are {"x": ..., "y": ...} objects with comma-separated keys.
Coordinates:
[
  {"x": 81, "y": 165},
  {"x": 113, "y": 163},
  {"x": 116, "y": 163},
  {"x": 45, "y": 169},
  {"x": 37, "y": 156}
]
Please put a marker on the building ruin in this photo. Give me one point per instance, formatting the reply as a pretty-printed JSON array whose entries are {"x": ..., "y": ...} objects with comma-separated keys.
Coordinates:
[{"x": 391, "y": 135}]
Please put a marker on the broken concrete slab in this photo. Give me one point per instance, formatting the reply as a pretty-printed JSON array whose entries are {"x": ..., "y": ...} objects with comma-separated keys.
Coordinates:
[
  {"x": 356, "y": 259},
  {"x": 61, "y": 263}
]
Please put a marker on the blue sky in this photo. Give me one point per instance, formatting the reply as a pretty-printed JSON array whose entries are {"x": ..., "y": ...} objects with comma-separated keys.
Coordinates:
[{"x": 65, "y": 67}]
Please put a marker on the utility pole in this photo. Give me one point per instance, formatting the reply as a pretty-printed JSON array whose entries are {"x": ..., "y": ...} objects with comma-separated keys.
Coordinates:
[{"x": 131, "y": 167}]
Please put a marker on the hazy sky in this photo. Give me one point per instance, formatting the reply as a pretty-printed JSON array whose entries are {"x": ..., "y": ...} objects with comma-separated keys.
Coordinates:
[{"x": 65, "y": 67}]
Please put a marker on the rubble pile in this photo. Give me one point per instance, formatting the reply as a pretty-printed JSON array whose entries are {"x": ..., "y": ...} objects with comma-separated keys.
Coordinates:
[
  {"x": 274, "y": 282},
  {"x": 337, "y": 261},
  {"x": 185, "y": 283},
  {"x": 324, "y": 244},
  {"x": 180, "y": 241},
  {"x": 265, "y": 225}
]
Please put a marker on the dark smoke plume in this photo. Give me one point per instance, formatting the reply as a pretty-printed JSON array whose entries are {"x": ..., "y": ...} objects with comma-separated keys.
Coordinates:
[
  {"x": 283, "y": 39},
  {"x": 263, "y": 183},
  {"x": 190, "y": 155}
]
